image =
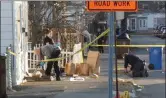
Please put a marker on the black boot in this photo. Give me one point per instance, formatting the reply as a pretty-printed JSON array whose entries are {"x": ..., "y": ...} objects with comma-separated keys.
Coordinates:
[{"x": 58, "y": 79}]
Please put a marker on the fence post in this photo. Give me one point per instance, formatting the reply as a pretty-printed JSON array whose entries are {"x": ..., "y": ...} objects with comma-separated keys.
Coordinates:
[{"x": 66, "y": 59}]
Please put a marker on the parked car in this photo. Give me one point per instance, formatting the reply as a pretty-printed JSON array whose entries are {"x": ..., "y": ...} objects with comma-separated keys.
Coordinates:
[
  {"x": 159, "y": 31},
  {"x": 156, "y": 30},
  {"x": 163, "y": 35}
]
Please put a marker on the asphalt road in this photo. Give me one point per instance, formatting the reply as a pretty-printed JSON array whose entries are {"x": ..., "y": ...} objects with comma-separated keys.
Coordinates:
[
  {"x": 146, "y": 39},
  {"x": 154, "y": 85}
]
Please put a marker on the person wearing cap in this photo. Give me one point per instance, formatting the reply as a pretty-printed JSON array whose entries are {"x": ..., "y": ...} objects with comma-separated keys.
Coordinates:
[{"x": 51, "y": 51}]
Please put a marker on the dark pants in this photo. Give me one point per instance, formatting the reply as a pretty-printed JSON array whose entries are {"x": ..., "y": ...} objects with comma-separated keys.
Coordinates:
[
  {"x": 55, "y": 54},
  {"x": 138, "y": 69},
  {"x": 139, "y": 66},
  {"x": 100, "y": 48}
]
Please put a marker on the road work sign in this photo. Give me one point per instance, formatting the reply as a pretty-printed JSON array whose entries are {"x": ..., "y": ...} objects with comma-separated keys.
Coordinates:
[{"x": 112, "y": 6}]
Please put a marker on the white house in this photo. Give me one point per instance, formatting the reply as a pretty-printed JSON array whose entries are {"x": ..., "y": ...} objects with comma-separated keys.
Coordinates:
[
  {"x": 145, "y": 22},
  {"x": 14, "y": 25}
]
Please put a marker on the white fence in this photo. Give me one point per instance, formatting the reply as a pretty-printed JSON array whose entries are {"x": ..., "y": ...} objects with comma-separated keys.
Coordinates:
[{"x": 33, "y": 59}]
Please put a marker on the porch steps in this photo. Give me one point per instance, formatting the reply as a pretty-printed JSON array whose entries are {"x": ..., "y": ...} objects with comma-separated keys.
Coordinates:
[
  {"x": 37, "y": 78},
  {"x": 32, "y": 77}
]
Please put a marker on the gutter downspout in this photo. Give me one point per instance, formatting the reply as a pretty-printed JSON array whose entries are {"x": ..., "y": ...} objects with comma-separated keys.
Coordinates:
[
  {"x": 13, "y": 34},
  {"x": 0, "y": 29}
]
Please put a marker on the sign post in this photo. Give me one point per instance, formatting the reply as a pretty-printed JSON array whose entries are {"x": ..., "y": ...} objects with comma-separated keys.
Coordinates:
[{"x": 111, "y": 53}]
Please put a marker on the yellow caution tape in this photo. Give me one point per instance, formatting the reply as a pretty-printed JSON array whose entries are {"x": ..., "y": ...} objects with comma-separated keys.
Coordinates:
[
  {"x": 126, "y": 94},
  {"x": 141, "y": 86},
  {"x": 12, "y": 53},
  {"x": 131, "y": 46},
  {"x": 56, "y": 59}
]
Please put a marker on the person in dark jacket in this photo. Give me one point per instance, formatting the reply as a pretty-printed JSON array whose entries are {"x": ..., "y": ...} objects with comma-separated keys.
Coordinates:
[
  {"x": 50, "y": 51},
  {"x": 135, "y": 62},
  {"x": 48, "y": 40},
  {"x": 100, "y": 41},
  {"x": 48, "y": 37}
]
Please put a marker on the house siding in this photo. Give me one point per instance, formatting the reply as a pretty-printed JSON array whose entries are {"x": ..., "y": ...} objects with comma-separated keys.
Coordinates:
[
  {"x": 6, "y": 25},
  {"x": 150, "y": 21},
  {"x": 9, "y": 36},
  {"x": 6, "y": 28}
]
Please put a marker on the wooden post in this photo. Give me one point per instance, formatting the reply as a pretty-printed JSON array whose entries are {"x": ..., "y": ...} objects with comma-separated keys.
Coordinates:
[{"x": 2, "y": 77}]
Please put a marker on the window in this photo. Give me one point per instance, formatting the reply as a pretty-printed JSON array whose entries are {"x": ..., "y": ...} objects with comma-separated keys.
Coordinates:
[
  {"x": 144, "y": 23},
  {"x": 140, "y": 23},
  {"x": 133, "y": 22},
  {"x": 155, "y": 22}
]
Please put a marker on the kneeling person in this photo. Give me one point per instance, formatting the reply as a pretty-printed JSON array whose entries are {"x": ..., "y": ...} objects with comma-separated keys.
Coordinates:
[{"x": 137, "y": 65}]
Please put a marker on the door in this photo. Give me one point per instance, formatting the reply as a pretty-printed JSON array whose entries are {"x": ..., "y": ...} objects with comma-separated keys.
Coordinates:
[
  {"x": 133, "y": 24},
  {"x": 142, "y": 24}
]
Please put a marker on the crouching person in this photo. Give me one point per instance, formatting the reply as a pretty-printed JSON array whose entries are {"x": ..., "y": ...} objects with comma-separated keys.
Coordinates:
[
  {"x": 137, "y": 65},
  {"x": 50, "y": 51}
]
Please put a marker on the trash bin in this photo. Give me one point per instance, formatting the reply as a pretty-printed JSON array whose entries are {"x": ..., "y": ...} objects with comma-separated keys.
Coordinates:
[
  {"x": 122, "y": 39},
  {"x": 3, "y": 77},
  {"x": 155, "y": 57}
]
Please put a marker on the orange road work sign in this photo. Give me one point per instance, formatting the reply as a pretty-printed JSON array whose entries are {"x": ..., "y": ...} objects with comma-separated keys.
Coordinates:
[{"x": 112, "y": 6}]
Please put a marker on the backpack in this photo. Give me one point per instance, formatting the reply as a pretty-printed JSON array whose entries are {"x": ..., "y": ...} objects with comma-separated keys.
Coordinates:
[{"x": 151, "y": 66}]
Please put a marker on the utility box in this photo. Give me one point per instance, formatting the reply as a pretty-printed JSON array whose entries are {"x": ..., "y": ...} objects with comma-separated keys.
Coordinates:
[
  {"x": 122, "y": 39},
  {"x": 3, "y": 77}
]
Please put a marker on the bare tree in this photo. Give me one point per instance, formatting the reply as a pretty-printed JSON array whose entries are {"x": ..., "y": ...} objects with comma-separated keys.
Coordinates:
[
  {"x": 45, "y": 14},
  {"x": 51, "y": 14}
]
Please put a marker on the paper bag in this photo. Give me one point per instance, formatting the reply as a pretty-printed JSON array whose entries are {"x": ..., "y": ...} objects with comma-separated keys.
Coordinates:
[
  {"x": 83, "y": 69},
  {"x": 70, "y": 69},
  {"x": 77, "y": 69}
]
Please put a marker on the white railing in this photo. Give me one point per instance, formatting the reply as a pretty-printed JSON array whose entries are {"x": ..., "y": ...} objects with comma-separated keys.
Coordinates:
[{"x": 33, "y": 59}]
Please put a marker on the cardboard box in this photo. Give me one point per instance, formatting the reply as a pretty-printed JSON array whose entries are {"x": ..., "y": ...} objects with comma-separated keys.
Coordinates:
[
  {"x": 37, "y": 51},
  {"x": 93, "y": 60}
]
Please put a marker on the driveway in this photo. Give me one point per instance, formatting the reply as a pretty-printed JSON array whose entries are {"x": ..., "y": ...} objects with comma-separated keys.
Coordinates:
[{"x": 146, "y": 39}]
